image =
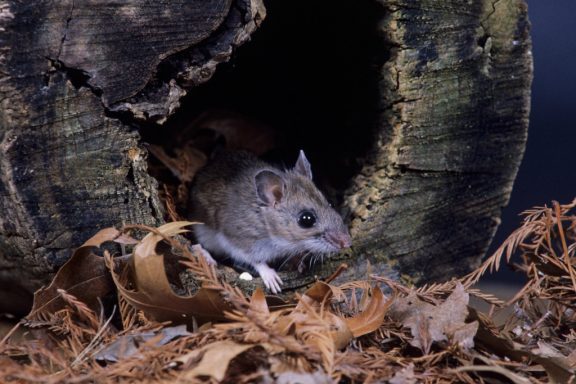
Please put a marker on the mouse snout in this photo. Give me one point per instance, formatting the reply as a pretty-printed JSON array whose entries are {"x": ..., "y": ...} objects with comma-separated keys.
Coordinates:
[{"x": 339, "y": 239}]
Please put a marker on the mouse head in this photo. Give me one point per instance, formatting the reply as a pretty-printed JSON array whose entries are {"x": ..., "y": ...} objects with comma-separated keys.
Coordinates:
[{"x": 297, "y": 216}]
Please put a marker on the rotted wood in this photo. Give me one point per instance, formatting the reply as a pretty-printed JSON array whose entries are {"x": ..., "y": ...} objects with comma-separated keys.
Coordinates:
[
  {"x": 75, "y": 75},
  {"x": 455, "y": 101}
]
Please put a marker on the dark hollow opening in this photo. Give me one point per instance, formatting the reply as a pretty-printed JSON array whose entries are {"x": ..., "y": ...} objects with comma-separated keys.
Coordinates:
[{"x": 311, "y": 73}]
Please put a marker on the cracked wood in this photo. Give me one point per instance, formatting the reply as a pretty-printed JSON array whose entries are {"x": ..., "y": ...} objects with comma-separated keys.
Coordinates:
[
  {"x": 456, "y": 99},
  {"x": 69, "y": 166}
]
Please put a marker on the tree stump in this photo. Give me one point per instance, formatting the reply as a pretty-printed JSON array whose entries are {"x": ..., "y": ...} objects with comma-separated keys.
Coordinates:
[{"x": 415, "y": 115}]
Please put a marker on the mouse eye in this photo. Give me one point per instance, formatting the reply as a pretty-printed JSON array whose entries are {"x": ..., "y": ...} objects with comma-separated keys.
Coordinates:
[{"x": 306, "y": 219}]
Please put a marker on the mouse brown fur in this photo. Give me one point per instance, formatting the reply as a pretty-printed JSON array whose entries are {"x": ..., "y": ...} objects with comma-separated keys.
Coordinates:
[{"x": 256, "y": 213}]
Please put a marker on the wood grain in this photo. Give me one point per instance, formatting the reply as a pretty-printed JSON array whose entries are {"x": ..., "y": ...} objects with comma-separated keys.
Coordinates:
[
  {"x": 72, "y": 75},
  {"x": 455, "y": 102}
]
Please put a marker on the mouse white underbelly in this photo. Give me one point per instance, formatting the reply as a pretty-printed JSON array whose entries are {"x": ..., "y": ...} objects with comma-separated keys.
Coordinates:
[{"x": 258, "y": 251}]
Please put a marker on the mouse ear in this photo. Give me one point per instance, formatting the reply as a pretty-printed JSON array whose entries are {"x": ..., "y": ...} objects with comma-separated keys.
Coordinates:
[
  {"x": 303, "y": 166},
  {"x": 269, "y": 186}
]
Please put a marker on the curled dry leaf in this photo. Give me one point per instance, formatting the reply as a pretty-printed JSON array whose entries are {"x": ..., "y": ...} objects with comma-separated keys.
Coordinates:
[
  {"x": 314, "y": 322},
  {"x": 340, "y": 332},
  {"x": 258, "y": 303},
  {"x": 84, "y": 276},
  {"x": 312, "y": 315},
  {"x": 213, "y": 359},
  {"x": 429, "y": 323},
  {"x": 372, "y": 317},
  {"x": 153, "y": 294}
]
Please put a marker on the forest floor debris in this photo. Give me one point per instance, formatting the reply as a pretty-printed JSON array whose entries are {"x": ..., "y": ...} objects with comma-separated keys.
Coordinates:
[{"x": 125, "y": 318}]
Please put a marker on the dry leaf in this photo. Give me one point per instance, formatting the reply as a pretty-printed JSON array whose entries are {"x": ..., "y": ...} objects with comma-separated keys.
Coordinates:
[
  {"x": 340, "y": 331},
  {"x": 184, "y": 166},
  {"x": 214, "y": 359},
  {"x": 546, "y": 350},
  {"x": 314, "y": 322},
  {"x": 314, "y": 306},
  {"x": 128, "y": 345},
  {"x": 258, "y": 303},
  {"x": 372, "y": 317},
  {"x": 83, "y": 276},
  {"x": 464, "y": 335},
  {"x": 429, "y": 323},
  {"x": 298, "y": 341},
  {"x": 258, "y": 308},
  {"x": 153, "y": 293},
  {"x": 558, "y": 370}
]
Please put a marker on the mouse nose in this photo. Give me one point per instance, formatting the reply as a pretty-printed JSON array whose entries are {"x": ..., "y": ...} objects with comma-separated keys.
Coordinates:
[{"x": 339, "y": 239}]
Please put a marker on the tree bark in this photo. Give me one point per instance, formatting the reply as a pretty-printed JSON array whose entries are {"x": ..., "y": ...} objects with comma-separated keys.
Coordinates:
[
  {"x": 75, "y": 76},
  {"x": 78, "y": 76},
  {"x": 455, "y": 101}
]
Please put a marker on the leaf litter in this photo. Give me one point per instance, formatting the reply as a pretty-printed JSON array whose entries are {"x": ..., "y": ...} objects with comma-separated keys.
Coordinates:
[{"x": 365, "y": 331}]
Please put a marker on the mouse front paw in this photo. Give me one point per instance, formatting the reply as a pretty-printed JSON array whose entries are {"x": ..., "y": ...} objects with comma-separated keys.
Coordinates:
[
  {"x": 269, "y": 277},
  {"x": 204, "y": 253}
]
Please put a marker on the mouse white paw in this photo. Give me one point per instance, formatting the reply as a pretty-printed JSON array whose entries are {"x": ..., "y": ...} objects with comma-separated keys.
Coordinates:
[
  {"x": 269, "y": 276},
  {"x": 205, "y": 254}
]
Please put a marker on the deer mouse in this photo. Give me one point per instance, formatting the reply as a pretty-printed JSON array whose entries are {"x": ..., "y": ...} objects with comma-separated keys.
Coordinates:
[{"x": 256, "y": 213}]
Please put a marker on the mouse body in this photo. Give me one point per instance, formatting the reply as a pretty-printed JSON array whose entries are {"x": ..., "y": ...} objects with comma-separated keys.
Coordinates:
[{"x": 256, "y": 213}]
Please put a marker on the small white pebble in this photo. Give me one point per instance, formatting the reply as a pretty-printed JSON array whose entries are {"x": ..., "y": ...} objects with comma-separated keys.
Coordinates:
[{"x": 245, "y": 276}]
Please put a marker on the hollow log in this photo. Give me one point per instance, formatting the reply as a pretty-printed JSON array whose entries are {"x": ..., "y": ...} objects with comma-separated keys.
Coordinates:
[{"x": 441, "y": 147}]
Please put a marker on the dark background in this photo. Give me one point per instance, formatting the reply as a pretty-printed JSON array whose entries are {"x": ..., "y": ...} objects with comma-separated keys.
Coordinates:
[{"x": 548, "y": 170}]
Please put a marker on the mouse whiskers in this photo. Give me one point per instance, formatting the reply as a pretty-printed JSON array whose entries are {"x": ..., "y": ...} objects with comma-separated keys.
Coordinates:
[
  {"x": 284, "y": 261},
  {"x": 302, "y": 260},
  {"x": 313, "y": 260},
  {"x": 317, "y": 257},
  {"x": 289, "y": 257}
]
